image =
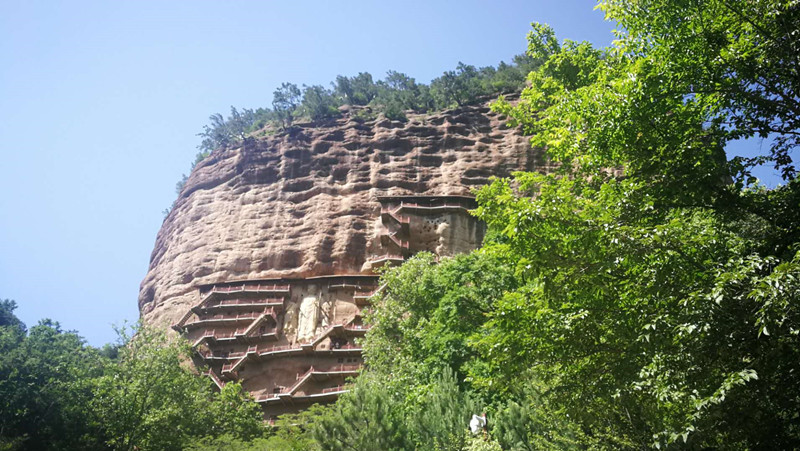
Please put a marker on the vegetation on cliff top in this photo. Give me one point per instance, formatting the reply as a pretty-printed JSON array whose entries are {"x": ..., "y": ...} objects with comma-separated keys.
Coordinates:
[{"x": 393, "y": 96}]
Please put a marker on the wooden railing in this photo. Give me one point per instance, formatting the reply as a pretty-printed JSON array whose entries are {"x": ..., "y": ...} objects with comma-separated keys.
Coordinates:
[
  {"x": 306, "y": 373},
  {"x": 253, "y": 287},
  {"x": 393, "y": 214},
  {"x": 387, "y": 257},
  {"x": 249, "y": 329},
  {"x": 212, "y": 333},
  {"x": 290, "y": 390},
  {"x": 262, "y": 398},
  {"x": 269, "y": 302},
  {"x": 337, "y": 388},
  {"x": 300, "y": 379},
  {"x": 220, "y": 317},
  {"x": 280, "y": 348},
  {"x": 339, "y": 284},
  {"x": 400, "y": 243},
  {"x": 252, "y": 349},
  {"x": 336, "y": 369},
  {"x": 346, "y": 346},
  {"x": 272, "y": 349},
  {"x": 205, "y": 319},
  {"x": 357, "y": 327},
  {"x": 179, "y": 325},
  {"x": 433, "y": 205},
  {"x": 219, "y": 382},
  {"x": 343, "y": 369},
  {"x": 209, "y": 355},
  {"x": 323, "y": 335}
]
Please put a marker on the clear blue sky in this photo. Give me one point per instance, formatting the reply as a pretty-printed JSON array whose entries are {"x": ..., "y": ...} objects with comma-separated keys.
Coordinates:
[{"x": 101, "y": 101}]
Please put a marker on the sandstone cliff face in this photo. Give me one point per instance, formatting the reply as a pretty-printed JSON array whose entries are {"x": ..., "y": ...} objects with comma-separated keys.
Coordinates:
[
  {"x": 321, "y": 200},
  {"x": 305, "y": 204}
]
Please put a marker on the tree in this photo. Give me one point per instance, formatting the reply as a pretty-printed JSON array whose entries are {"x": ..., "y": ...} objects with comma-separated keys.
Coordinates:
[
  {"x": 739, "y": 58},
  {"x": 239, "y": 123},
  {"x": 148, "y": 400},
  {"x": 58, "y": 393},
  {"x": 646, "y": 326},
  {"x": 215, "y": 135},
  {"x": 681, "y": 83},
  {"x": 319, "y": 103},
  {"x": 401, "y": 92},
  {"x": 460, "y": 87},
  {"x": 426, "y": 314},
  {"x": 382, "y": 413},
  {"x": 7, "y": 317},
  {"x": 506, "y": 79},
  {"x": 367, "y": 417},
  {"x": 224, "y": 132},
  {"x": 440, "y": 419},
  {"x": 285, "y": 101},
  {"x": 280, "y": 441},
  {"x": 524, "y": 420},
  {"x": 655, "y": 307},
  {"x": 45, "y": 386},
  {"x": 358, "y": 90}
]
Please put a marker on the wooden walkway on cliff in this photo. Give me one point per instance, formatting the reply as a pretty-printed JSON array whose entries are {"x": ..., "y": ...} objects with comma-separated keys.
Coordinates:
[
  {"x": 255, "y": 306},
  {"x": 347, "y": 331},
  {"x": 290, "y": 394}
]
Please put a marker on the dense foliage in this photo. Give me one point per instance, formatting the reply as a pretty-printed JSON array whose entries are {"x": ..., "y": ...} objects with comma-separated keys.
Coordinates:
[
  {"x": 646, "y": 325},
  {"x": 379, "y": 414},
  {"x": 58, "y": 393},
  {"x": 659, "y": 307},
  {"x": 44, "y": 388},
  {"x": 393, "y": 96},
  {"x": 148, "y": 400}
]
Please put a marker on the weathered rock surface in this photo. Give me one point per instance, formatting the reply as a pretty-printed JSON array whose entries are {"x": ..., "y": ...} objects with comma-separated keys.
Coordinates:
[{"x": 304, "y": 203}]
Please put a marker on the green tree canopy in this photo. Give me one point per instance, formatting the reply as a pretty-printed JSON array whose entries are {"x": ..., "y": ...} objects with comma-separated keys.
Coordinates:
[
  {"x": 656, "y": 307},
  {"x": 358, "y": 90},
  {"x": 378, "y": 414},
  {"x": 45, "y": 386},
  {"x": 285, "y": 101},
  {"x": 740, "y": 59},
  {"x": 319, "y": 103},
  {"x": 149, "y": 400}
]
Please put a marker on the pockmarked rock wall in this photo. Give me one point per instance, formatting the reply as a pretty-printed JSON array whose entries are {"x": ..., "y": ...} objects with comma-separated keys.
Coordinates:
[{"x": 289, "y": 213}]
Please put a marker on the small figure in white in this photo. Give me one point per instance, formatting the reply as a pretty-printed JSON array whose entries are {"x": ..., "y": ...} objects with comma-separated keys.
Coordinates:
[{"x": 477, "y": 423}]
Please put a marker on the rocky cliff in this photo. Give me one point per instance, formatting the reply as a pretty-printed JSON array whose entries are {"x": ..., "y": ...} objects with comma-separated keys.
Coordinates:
[{"x": 294, "y": 210}]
